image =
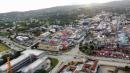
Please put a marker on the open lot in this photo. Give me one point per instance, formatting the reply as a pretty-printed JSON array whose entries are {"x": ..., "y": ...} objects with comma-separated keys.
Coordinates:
[{"x": 111, "y": 69}]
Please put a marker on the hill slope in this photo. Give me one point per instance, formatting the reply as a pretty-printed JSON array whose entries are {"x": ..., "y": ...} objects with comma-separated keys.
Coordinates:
[{"x": 63, "y": 11}]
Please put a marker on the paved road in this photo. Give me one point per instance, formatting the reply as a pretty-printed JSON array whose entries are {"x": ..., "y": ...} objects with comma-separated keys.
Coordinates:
[
  {"x": 12, "y": 44},
  {"x": 74, "y": 50},
  {"x": 110, "y": 63}
]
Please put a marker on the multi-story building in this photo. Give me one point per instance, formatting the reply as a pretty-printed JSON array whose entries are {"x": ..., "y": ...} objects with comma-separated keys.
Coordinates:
[
  {"x": 18, "y": 63},
  {"x": 36, "y": 65},
  {"x": 28, "y": 57}
]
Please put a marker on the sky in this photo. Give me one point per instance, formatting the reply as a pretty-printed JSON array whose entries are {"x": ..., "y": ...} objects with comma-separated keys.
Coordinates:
[{"x": 26, "y": 5}]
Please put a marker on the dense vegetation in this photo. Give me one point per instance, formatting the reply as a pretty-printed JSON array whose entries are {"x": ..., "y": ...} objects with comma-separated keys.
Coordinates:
[
  {"x": 5, "y": 24},
  {"x": 87, "y": 48},
  {"x": 41, "y": 71},
  {"x": 4, "y": 33}
]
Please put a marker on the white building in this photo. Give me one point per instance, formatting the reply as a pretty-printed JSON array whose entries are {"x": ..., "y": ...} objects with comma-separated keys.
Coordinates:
[
  {"x": 22, "y": 38},
  {"x": 17, "y": 63},
  {"x": 26, "y": 58},
  {"x": 36, "y": 65}
]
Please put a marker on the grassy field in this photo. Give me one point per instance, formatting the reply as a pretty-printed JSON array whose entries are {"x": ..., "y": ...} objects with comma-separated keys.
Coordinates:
[
  {"x": 3, "y": 47},
  {"x": 54, "y": 62}
]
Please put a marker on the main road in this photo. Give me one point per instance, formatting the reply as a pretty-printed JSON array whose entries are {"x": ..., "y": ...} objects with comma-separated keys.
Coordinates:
[{"x": 11, "y": 44}]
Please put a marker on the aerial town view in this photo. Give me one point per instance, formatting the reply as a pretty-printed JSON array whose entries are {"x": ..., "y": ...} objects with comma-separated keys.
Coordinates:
[{"x": 65, "y": 36}]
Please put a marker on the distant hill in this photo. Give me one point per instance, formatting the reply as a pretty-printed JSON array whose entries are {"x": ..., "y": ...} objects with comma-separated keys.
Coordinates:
[
  {"x": 63, "y": 11},
  {"x": 41, "y": 13},
  {"x": 119, "y": 4}
]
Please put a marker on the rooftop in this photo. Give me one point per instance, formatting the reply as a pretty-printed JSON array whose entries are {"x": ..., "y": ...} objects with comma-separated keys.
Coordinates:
[{"x": 34, "y": 52}]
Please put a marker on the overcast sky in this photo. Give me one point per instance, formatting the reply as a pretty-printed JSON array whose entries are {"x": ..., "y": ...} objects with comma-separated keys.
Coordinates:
[{"x": 25, "y": 5}]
